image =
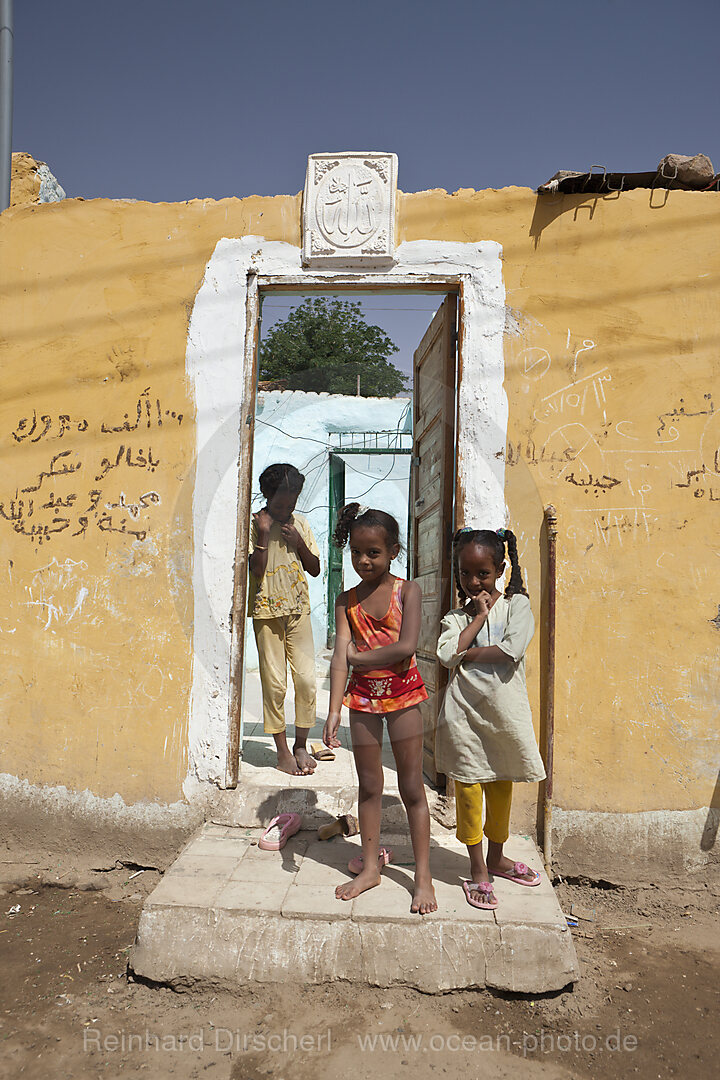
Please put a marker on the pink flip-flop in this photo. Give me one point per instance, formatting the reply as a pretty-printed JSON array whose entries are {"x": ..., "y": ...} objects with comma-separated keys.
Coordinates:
[
  {"x": 484, "y": 887},
  {"x": 516, "y": 874},
  {"x": 356, "y": 865},
  {"x": 279, "y": 831}
]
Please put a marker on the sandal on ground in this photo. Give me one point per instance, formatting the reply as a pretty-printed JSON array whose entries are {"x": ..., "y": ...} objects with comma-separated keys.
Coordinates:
[
  {"x": 345, "y": 825},
  {"x": 321, "y": 753},
  {"x": 484, "y": 887},
  {"x": 279, "y": 831},
  {"x": 516, "y": 874},
  {"x": 357, "y": 865}
]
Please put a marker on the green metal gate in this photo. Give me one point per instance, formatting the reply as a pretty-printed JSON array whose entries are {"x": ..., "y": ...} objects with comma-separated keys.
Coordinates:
[
  {"x": 335, "y": 555},
  {"x": 370, "y": 444}
]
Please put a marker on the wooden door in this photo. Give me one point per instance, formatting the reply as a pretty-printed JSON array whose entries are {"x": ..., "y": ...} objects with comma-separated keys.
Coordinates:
[{"x": 431, "y": 502}]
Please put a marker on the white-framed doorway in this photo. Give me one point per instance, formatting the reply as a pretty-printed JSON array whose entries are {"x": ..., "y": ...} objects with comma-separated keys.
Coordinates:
[{"x": 222, "y": 355}]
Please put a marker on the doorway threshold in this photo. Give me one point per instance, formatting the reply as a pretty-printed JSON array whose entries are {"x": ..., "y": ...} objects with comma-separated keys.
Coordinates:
[{"x": 263, "y": 791}]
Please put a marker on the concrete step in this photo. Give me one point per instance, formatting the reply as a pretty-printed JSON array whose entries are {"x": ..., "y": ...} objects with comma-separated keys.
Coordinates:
[
  {"x": 227, "y": 913},
  {"x": 264, "y": 791}
]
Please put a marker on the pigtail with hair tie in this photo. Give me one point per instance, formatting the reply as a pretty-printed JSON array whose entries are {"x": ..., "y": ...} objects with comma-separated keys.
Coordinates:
[
  {"x": 515, "y": 584},
  {"x": 461, "y": 532},
  {"x": 347, "y": 515}
]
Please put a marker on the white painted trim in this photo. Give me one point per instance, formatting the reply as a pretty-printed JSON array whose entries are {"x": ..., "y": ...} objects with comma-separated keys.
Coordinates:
[{"x": 215, "y": 368}]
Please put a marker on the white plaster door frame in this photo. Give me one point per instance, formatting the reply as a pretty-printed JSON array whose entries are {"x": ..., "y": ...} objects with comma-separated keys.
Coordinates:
[
  {"x": 221, "y": 365},
  {"x": 238, "y": 620}
]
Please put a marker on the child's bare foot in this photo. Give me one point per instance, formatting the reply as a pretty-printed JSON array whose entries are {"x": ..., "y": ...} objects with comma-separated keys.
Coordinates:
[
  {"x": 305, "y": 763},
  {"x": 286, "y": 762},
  {"x": 423, "y": 897},
  {"x": 368, "y": 879}
]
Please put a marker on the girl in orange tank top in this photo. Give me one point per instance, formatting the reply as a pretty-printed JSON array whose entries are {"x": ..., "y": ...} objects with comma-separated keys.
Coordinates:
[
  {"x": 386, "y": 689},
  {"x": 377, "y": 628}
]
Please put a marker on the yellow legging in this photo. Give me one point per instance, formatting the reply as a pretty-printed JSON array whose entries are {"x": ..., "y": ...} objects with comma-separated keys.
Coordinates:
[{"x": 469, "y": 805}]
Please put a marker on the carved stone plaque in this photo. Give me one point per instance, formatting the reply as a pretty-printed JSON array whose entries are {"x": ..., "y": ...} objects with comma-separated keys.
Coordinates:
[{"x": 349, "y": 209}]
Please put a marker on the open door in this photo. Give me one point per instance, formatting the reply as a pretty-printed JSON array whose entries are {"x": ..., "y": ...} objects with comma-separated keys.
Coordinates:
[{"x": 432, "y": 481}]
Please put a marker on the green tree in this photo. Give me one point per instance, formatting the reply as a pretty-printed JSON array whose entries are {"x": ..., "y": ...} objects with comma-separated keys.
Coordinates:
[{"x": 324, "y": 344}]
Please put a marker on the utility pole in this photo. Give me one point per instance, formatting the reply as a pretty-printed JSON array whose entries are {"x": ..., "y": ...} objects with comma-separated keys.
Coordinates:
[{"x": 6, "y": 100}]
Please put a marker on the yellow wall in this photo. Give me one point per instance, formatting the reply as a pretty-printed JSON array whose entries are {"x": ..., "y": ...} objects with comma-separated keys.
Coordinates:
[
  {"x": 622, "y": 437},
  {"x": 95, "y": 299},
  {"x": 614, "y": 327}
]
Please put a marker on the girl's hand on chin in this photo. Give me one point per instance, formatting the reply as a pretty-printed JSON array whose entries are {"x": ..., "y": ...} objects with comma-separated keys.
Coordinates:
[{"x": 481, "y": 603}]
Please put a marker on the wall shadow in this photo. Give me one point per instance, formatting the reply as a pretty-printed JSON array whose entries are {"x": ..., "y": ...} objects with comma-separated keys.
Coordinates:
[
  {"x": 548, "y": 208},
  {"x": 712, "y": 822}
]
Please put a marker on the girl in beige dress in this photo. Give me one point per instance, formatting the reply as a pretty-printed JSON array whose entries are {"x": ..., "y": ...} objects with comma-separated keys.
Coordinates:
[{"x": 485, "y": 740}]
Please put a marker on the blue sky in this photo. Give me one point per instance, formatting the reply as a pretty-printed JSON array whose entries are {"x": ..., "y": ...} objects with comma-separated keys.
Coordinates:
[{"x": 169, "y": 100}]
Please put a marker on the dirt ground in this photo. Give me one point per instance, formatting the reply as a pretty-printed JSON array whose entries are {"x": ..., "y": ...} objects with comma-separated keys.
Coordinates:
[{"x": 646, "y": 1005}]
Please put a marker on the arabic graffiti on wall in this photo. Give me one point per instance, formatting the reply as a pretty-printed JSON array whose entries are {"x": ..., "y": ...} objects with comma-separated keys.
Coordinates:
[
  {"x": 75, "y": 493},
  {"x": 619, "y": 465}
]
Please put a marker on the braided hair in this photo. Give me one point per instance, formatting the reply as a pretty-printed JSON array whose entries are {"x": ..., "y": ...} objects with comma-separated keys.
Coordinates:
[
  {"x": 351, "y": 515},
  {"x": 495, "y": 542},
  {"x": 281, "y": 476}
]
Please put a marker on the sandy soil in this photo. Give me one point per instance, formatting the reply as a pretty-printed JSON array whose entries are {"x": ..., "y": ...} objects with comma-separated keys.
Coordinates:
[{"x": 646, "y": 1005}]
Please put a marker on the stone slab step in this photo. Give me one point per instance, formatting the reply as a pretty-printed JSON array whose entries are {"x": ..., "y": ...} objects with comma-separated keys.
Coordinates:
[
  {"x": 227, "y": 913},
  {"x": 264, "y": 791}
]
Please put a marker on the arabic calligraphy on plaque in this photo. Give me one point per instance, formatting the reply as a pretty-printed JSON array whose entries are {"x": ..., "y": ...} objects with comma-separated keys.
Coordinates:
[
  {"x": 349, "y": 208},
  {"x": 348, "y": 204}
]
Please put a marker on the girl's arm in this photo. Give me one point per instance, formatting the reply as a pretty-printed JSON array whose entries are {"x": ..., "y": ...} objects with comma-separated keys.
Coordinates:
[
  {"x": 338, "y": 672},
  {"x": 295, "y": 539},
  {"x": 258, "y": 560},
  {"x": 470, "y": 632},
  {"x": 405, "y": 646},
  {"x": 310, "y": 562},
  {"x": 518, "y": 634},
  {"x": 447, "y": 650},
  {"x": 487, "y": 654}
]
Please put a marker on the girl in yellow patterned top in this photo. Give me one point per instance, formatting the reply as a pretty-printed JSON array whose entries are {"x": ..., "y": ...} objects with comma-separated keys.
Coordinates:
[
  {"x": 282, "y": 551},
  {"x": 377, "y": 626}
]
